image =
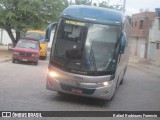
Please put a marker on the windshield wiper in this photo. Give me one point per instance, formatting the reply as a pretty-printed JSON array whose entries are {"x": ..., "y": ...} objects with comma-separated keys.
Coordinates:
[
  {"x": 91, "y": 56},
  {"x": 110, "y": 60}
]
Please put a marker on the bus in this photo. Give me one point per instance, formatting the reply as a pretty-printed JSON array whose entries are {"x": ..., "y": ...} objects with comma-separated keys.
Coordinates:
[
  {"x": 90, "y": 52},
  {"x": 40, "y": 36}
]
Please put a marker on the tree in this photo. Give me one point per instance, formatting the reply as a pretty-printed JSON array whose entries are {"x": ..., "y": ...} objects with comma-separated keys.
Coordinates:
[
  {"x": 103, "y": 3},
  {"x": 83, "y": 2},
  {"x": 20, "y": 15},
  {"x": 106, "y": 5}
]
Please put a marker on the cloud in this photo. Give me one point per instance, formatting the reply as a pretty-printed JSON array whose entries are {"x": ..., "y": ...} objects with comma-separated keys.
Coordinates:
[
  {"x": 130, "y": 11},
  {"x": 135, "y": 5}
]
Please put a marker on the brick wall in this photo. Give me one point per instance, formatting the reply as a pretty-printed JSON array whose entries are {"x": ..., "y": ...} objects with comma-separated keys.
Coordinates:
[{"x": 148, "y": 18}]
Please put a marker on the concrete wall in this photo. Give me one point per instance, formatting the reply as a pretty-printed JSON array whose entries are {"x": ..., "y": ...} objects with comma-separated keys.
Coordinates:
[
  {"x": 138, "y": 46},
  {"x": 152, "y": 51},
  {"x": 134, "y": 46},
  {"x": 141, "y": 48},
  {"x": 140, "y": 36},
  {"x": 154, "y": 38},
  {"x": 154, "y": 33},
  {"x": 4, "y": 38},
  {"x": 157, "y": 56},
  {"x": 148, "y": 18}
]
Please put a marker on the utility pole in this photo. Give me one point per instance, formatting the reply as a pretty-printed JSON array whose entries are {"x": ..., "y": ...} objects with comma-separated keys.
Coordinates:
[{"x": 124, "y": 5}]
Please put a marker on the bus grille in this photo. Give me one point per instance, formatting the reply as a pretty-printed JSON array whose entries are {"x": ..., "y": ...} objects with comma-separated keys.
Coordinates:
[{"x": 84, "y": 90}]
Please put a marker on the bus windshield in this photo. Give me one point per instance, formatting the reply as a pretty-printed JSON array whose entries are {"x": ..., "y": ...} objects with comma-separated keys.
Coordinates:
[{"x": 86, "y": 47}]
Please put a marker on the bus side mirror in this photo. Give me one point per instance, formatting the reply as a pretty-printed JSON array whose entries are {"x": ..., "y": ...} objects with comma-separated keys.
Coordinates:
[
  {"x": 49, "y": 30},
  {"x": 122, "y": 44}
]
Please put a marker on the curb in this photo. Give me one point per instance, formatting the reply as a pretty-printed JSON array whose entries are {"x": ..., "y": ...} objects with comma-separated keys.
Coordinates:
[
  {"x": 2, "y": 61},
  {"x": 145, "y": 69}
]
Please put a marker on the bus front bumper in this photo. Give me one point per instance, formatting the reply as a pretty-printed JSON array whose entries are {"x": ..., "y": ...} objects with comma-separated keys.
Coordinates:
[{"x": 103, "y": 92}]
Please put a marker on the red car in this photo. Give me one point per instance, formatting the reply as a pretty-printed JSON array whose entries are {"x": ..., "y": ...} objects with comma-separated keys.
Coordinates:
[{"x": 26, "y": 50}]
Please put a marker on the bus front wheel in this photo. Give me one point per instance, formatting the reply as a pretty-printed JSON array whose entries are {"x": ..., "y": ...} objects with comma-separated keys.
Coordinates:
[{"x": 121, "y": 82}]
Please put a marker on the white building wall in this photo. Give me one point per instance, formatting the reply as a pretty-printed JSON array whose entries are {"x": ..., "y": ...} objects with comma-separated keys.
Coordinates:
[
  {"x": 154, "y": 38},
  {"x": 154, "y": 33},
  {"x": 141, "y": 47},
  {"x": 138, "y": 47},
  {"x": 4, "y": 37}
]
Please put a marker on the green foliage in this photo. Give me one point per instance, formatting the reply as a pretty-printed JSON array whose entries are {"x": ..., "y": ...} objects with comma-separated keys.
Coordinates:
[
  {"x": 83, "y": 2},
  {"x": 105, "y": 4},
  {"x": 21, "y": 15}
]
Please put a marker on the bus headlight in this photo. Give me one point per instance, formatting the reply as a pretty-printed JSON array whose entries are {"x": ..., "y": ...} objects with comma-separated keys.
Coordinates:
[
  {"x": 52, "y": 74},
  {"x": 105, "y": 83}
]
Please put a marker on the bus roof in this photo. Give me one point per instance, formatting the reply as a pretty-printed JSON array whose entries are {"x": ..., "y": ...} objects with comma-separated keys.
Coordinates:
[{"x": 93, "y": 14}]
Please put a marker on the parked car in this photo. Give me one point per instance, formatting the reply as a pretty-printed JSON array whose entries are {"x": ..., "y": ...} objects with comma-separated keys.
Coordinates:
[{"x": 26, "y": 50}]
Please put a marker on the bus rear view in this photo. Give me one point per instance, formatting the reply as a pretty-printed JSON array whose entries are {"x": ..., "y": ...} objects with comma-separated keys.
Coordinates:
[{"x": 87, "y": 52}]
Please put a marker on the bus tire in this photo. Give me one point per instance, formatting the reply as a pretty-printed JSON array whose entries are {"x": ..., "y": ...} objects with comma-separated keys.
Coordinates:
[
  {"x": 110, "y": 99},
  {"x": 122, "y": 80},
  {"x": 60, "y": 93},
  {"x": 114, "y": 92}
]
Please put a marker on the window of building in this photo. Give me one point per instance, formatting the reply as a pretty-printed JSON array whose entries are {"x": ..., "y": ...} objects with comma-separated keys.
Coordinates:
[
  {"x": 132, "y": 24},
  {"x": 157, "y": 45},
  {"x": 135, "y": 23},
  {"x": 141, "y": 24}
]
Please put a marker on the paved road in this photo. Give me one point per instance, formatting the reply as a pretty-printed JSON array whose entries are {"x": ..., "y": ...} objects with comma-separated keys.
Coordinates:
[{"x": 22, "y": 87}]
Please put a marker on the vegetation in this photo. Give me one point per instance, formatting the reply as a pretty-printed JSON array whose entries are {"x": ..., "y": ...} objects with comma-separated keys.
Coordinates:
[
  {"x": 20, "y": 15},
  {"x": 103, "y": 3},
  {"x": 84, "y": 2}
]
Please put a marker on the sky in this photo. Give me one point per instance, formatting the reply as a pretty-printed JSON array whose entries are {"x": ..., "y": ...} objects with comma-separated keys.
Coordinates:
[{"x": 133, "y": 6}]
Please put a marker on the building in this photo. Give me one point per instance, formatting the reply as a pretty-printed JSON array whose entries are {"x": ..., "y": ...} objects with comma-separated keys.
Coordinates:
[
  {"x": 141, "y": 24},
  {"x": 154, "y": 40},
  {"x": 4, "y": 37}
]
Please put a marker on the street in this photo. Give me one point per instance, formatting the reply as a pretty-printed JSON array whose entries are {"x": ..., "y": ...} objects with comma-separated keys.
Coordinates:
[
  {"x": 22, "y": 88},
  {"x": 90, "y": 41}
]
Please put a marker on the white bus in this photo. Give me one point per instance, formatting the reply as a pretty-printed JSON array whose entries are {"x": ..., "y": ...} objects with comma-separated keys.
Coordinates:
[{"x": 89, "y": 53}]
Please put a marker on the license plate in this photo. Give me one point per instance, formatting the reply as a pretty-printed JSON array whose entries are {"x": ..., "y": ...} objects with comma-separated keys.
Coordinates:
[
  {"x": 77, "y": 91},
  {"x": 24, "y": 60}
]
